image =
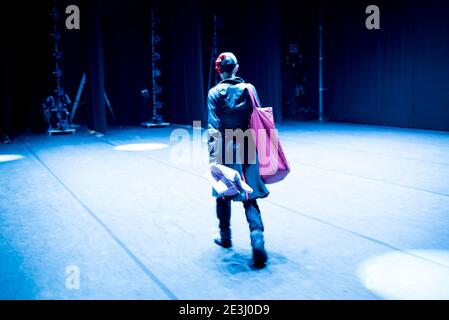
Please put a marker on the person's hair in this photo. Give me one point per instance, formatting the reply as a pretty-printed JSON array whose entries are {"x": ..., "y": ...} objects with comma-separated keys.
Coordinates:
[{"x": 226, "y": 62}]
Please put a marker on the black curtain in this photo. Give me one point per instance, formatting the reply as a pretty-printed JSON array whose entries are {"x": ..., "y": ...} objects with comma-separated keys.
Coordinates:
[
  {"x": 75, "y": 50},
  {"x": 183, "y": 60},
  {"x": 251, "y": 30},
  {"x": 5, "y": 86},
  {"x": 300, "y": 26},
  {"x": 398, "y": 75},
  {"x": 95, "y": 65},
  {"x": 127, "y": 52},
  {"x": 25, "y": 65},
  {"x": 113, "y": 47}
]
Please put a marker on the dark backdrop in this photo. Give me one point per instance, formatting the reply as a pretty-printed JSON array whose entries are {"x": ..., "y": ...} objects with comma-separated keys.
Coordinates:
[
  {"x": 24, "y": 65},
  {"x": 183, "y": 60},
  {"x": 114, "y": 48},
  {"x": 300, "y": 26},
  {"x": 252, "y": 31},
  {"x": 397, "y": 76}
]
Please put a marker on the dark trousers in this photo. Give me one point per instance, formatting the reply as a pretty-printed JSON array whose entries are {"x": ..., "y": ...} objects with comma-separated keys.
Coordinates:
[{"x": 252, "y": 213}]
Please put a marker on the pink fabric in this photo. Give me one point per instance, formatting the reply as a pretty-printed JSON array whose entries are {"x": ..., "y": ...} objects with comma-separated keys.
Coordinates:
[{"x": 273, "y": 164}]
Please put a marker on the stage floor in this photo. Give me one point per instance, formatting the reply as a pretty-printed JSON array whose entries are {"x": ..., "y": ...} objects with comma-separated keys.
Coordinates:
[{"x": 363, "y": 215}]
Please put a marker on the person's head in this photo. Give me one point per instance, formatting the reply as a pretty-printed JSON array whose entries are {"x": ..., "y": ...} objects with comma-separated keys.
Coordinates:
[{"x": 226, "y": 65}]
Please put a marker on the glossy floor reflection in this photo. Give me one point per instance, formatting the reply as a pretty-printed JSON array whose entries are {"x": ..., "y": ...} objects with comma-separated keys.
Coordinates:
[
  {"x": 417, "y": 274},
  {"x": 10, "y": 157}
]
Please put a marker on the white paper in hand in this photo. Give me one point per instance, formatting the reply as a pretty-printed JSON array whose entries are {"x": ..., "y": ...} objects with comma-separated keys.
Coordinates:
[{"x": 227, "y": 181}]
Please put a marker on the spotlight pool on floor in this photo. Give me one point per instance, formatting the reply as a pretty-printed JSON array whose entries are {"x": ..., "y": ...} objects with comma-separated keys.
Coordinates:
[
  {"x": 418, "y": 275},
  {"x": 10, "y": 157},
  {"x": 141, "y": 147}
]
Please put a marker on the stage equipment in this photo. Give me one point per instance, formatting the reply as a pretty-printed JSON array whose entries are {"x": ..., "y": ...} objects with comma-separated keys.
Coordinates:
[
  {"x": 55, "y": 107},
  {"x": 321, "y": 100},
  {"x": 321, "y": 69},
  {"x": 295, "y": 80},
  {"x": 156, "y": 120},
  {"x": 213, "y": 76},
  {"x": 6, "y": 139},
  {"x": 79, "y": 93}
]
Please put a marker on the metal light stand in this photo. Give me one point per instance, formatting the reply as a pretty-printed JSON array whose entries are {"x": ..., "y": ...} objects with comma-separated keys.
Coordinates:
[
  {"x": 156, "y": 120},
  {"x": 77, "y": 103},
  {"x": 322, "y": 89},
  {"x": 55, "y": 106},
  {"x": 214, "y": 54}
]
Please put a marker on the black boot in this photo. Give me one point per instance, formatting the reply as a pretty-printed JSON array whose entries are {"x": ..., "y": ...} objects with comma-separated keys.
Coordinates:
[
  {"x": 259, "y": 254},
  {"x": 224, "y": 240}
]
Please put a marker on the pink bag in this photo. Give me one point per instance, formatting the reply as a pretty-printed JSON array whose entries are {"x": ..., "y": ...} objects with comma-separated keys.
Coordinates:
[{"x": 273, "y": 164}]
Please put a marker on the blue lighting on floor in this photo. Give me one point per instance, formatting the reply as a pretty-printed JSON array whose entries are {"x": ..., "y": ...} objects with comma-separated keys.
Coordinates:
[
  {"x": 141, "y": 147},
  {"x": 10, "y": 157},
  {"x": 411, "y": 275}
]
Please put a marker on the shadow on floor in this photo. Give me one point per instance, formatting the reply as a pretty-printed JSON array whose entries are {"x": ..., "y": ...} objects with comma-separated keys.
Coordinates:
[{"x": 239, "y": 261}]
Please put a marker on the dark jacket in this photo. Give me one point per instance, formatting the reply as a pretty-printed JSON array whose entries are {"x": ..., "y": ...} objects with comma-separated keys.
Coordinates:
[{"x": 230, "y": 107}]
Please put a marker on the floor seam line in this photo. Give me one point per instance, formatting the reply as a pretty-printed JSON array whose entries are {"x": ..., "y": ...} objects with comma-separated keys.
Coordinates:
[
  {"x": 117, "y": 240},
  {"x": 379, "y": 242},
  {"x": 385, "y": 155},
  {"x": 373, "y": 179}
]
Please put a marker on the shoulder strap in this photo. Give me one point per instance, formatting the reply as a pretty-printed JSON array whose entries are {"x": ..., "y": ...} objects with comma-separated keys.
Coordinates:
[{"x": 252, "y": 94}]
